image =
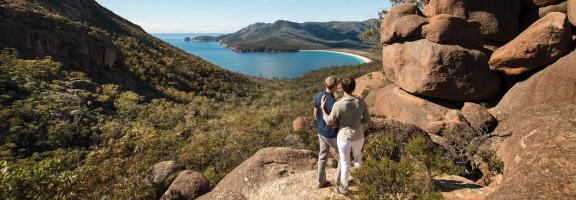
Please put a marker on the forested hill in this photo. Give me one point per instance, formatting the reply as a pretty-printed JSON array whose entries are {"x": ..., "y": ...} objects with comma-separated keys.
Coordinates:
[
  {"x": 87, "y": 37},
  {"x": 286, "y": 36}
]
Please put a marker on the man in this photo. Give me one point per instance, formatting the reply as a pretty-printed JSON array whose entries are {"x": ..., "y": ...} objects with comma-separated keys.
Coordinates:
[
  {"x": 351, "y": 113},
  {"x": 326, "y": 133}
]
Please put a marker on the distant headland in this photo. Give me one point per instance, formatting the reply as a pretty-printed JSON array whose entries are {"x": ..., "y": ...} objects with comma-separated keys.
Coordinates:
[{"x": 286, "y": 36}]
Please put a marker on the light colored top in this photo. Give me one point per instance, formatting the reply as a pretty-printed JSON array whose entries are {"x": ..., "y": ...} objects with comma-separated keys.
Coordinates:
[{"x": 351, "y": 113}]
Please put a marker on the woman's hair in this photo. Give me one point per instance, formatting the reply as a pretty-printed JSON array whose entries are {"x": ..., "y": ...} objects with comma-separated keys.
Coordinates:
[{"x": 348, "y": 85}]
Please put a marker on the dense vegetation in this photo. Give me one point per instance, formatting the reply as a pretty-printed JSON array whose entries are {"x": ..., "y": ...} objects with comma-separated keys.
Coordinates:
[
  {"x": 290, "y": 36},
  {"x": 64, "y": 136}
]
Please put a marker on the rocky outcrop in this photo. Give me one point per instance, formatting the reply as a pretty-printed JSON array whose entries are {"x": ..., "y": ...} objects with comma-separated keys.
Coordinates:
[
  {"x": 286, "y": 173},
  {"x": 539, "y": 156},
  {"x": 571, "y": 11},
  {"x": 538, "y": 13},
  {"x": 448, "y": 72},
  {"x": 459, "y": 188},
  {"x": 370, "y": 82},
  {"x": 555, "y": 84},
  {"x": 449, "y": 29},
  {"x": 499, "y": 19},
  {"x": 297, "y": 186},
  {"x": 266, "y": 165},
  {"x": 402, "y": 21},
  {"x": 540, "y": 3},
  {"x": 188, "y": 185},
  {"x": 163, "y": 175},
  {"x": 545, "y": 41},
  {"x": 391, "y": 102},
  {"x": 68, "y": 43},
  {"x": 478, "y": 116}
]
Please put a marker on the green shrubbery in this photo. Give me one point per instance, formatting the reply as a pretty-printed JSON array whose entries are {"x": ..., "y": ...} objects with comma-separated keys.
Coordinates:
[
  {"x": 396, "y": 171},
  {"x": 51, "y": 140}
]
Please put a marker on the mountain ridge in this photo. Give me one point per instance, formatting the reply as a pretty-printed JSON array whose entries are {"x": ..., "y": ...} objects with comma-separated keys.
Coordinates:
[
  {"x": 287, "y": 36},
  {"x": 92, "y": 39}
]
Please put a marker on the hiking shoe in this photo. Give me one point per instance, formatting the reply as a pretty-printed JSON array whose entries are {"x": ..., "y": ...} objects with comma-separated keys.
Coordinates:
[
  {"x": 323, "y": 185},
  {"x": 342, "y": 190}
]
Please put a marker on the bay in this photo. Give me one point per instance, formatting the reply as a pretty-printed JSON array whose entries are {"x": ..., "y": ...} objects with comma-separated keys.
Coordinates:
[{"x": 269, "y": 65}]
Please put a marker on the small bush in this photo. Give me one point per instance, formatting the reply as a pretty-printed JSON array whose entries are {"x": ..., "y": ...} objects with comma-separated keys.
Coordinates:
[{"x": 397, "y": 171}]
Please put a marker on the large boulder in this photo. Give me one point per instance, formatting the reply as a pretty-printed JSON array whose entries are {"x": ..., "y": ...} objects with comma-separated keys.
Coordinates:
[
  {"x": 538, "y": 13},
  {"x": 448, "y": 72},
  {"x": 369, "y": 82},
  {"x": 188, "y": 185},
  {"x": 571, "y": 11},
  {"x": 449, "y": 29},
  {"x": 545, "y": 41},
  {"x": 163, "y": 175},
  {"x": 478, "y": 116},
  {"x": 539, "y": 156},
  {"x": 540, "y": 3},
  {"x": 266, "y": 165},
  {"x": 391, "y": 102},
  {"x": 499, "y": 19},
  {"x": 554, "y": 84},
  {"x": 402, "y": 21}
]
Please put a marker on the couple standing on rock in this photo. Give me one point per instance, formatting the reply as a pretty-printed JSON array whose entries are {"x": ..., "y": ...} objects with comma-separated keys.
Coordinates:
[{"x": 339, "y": 126}]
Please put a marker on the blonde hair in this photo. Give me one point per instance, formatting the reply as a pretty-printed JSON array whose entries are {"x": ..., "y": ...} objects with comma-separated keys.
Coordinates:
[{"x": 331, "y": 82}]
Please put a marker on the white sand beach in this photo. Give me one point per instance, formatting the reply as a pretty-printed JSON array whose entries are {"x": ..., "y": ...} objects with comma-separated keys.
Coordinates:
[{"x": 362, "y": 58}]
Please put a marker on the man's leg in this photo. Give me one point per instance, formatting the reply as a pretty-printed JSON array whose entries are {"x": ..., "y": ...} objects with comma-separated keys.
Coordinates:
[
  {"x": 322, "y": 159},
  {"x": 334, "y": 144}
]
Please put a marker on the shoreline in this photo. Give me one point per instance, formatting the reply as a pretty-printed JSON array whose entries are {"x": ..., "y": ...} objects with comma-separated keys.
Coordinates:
[{"x": 359, "y": 57}]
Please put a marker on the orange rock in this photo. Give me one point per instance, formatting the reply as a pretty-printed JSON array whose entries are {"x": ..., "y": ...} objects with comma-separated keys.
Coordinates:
[
  {"x": 369, "y": 82},
  {"x": 299, "y": 124},
  {"x": 539, "y": 156},
  {"x": 448, "y": 72},
  {"x": 544, "y": 42}
]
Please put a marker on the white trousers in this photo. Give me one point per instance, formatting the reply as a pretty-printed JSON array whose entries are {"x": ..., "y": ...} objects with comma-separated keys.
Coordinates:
[{"x": 344, "y": 149}]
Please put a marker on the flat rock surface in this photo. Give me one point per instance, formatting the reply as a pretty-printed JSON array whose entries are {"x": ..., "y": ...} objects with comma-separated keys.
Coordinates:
[
  {"x": 539, "y": 157},
  {"x": 299, "y": 186}
]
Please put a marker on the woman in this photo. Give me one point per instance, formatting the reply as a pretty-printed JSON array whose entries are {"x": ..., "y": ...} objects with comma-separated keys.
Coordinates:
[{"x": 350, "y": 113}]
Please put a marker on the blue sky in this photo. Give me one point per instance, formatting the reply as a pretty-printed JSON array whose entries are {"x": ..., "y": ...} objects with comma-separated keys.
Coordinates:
[{"x": 223, "y": 16}]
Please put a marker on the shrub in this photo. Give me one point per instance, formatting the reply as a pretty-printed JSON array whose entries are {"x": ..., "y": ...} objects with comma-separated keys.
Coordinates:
[{"x": 397, "y": 171}]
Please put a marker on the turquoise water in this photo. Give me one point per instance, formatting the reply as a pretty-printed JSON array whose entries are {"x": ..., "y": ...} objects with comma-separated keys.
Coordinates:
[{"x": 282, "y": 65}]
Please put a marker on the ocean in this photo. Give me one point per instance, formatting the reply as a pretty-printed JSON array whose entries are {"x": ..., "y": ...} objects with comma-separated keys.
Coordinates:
[{"x": 269, "y": 65}]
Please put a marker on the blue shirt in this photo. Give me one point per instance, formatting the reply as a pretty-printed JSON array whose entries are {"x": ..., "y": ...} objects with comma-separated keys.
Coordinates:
[{"x": 323, "y": 128}]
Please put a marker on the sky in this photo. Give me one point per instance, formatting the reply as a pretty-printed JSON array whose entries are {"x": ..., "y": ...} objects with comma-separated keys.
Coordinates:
[{"x": 226, "y": 16}]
